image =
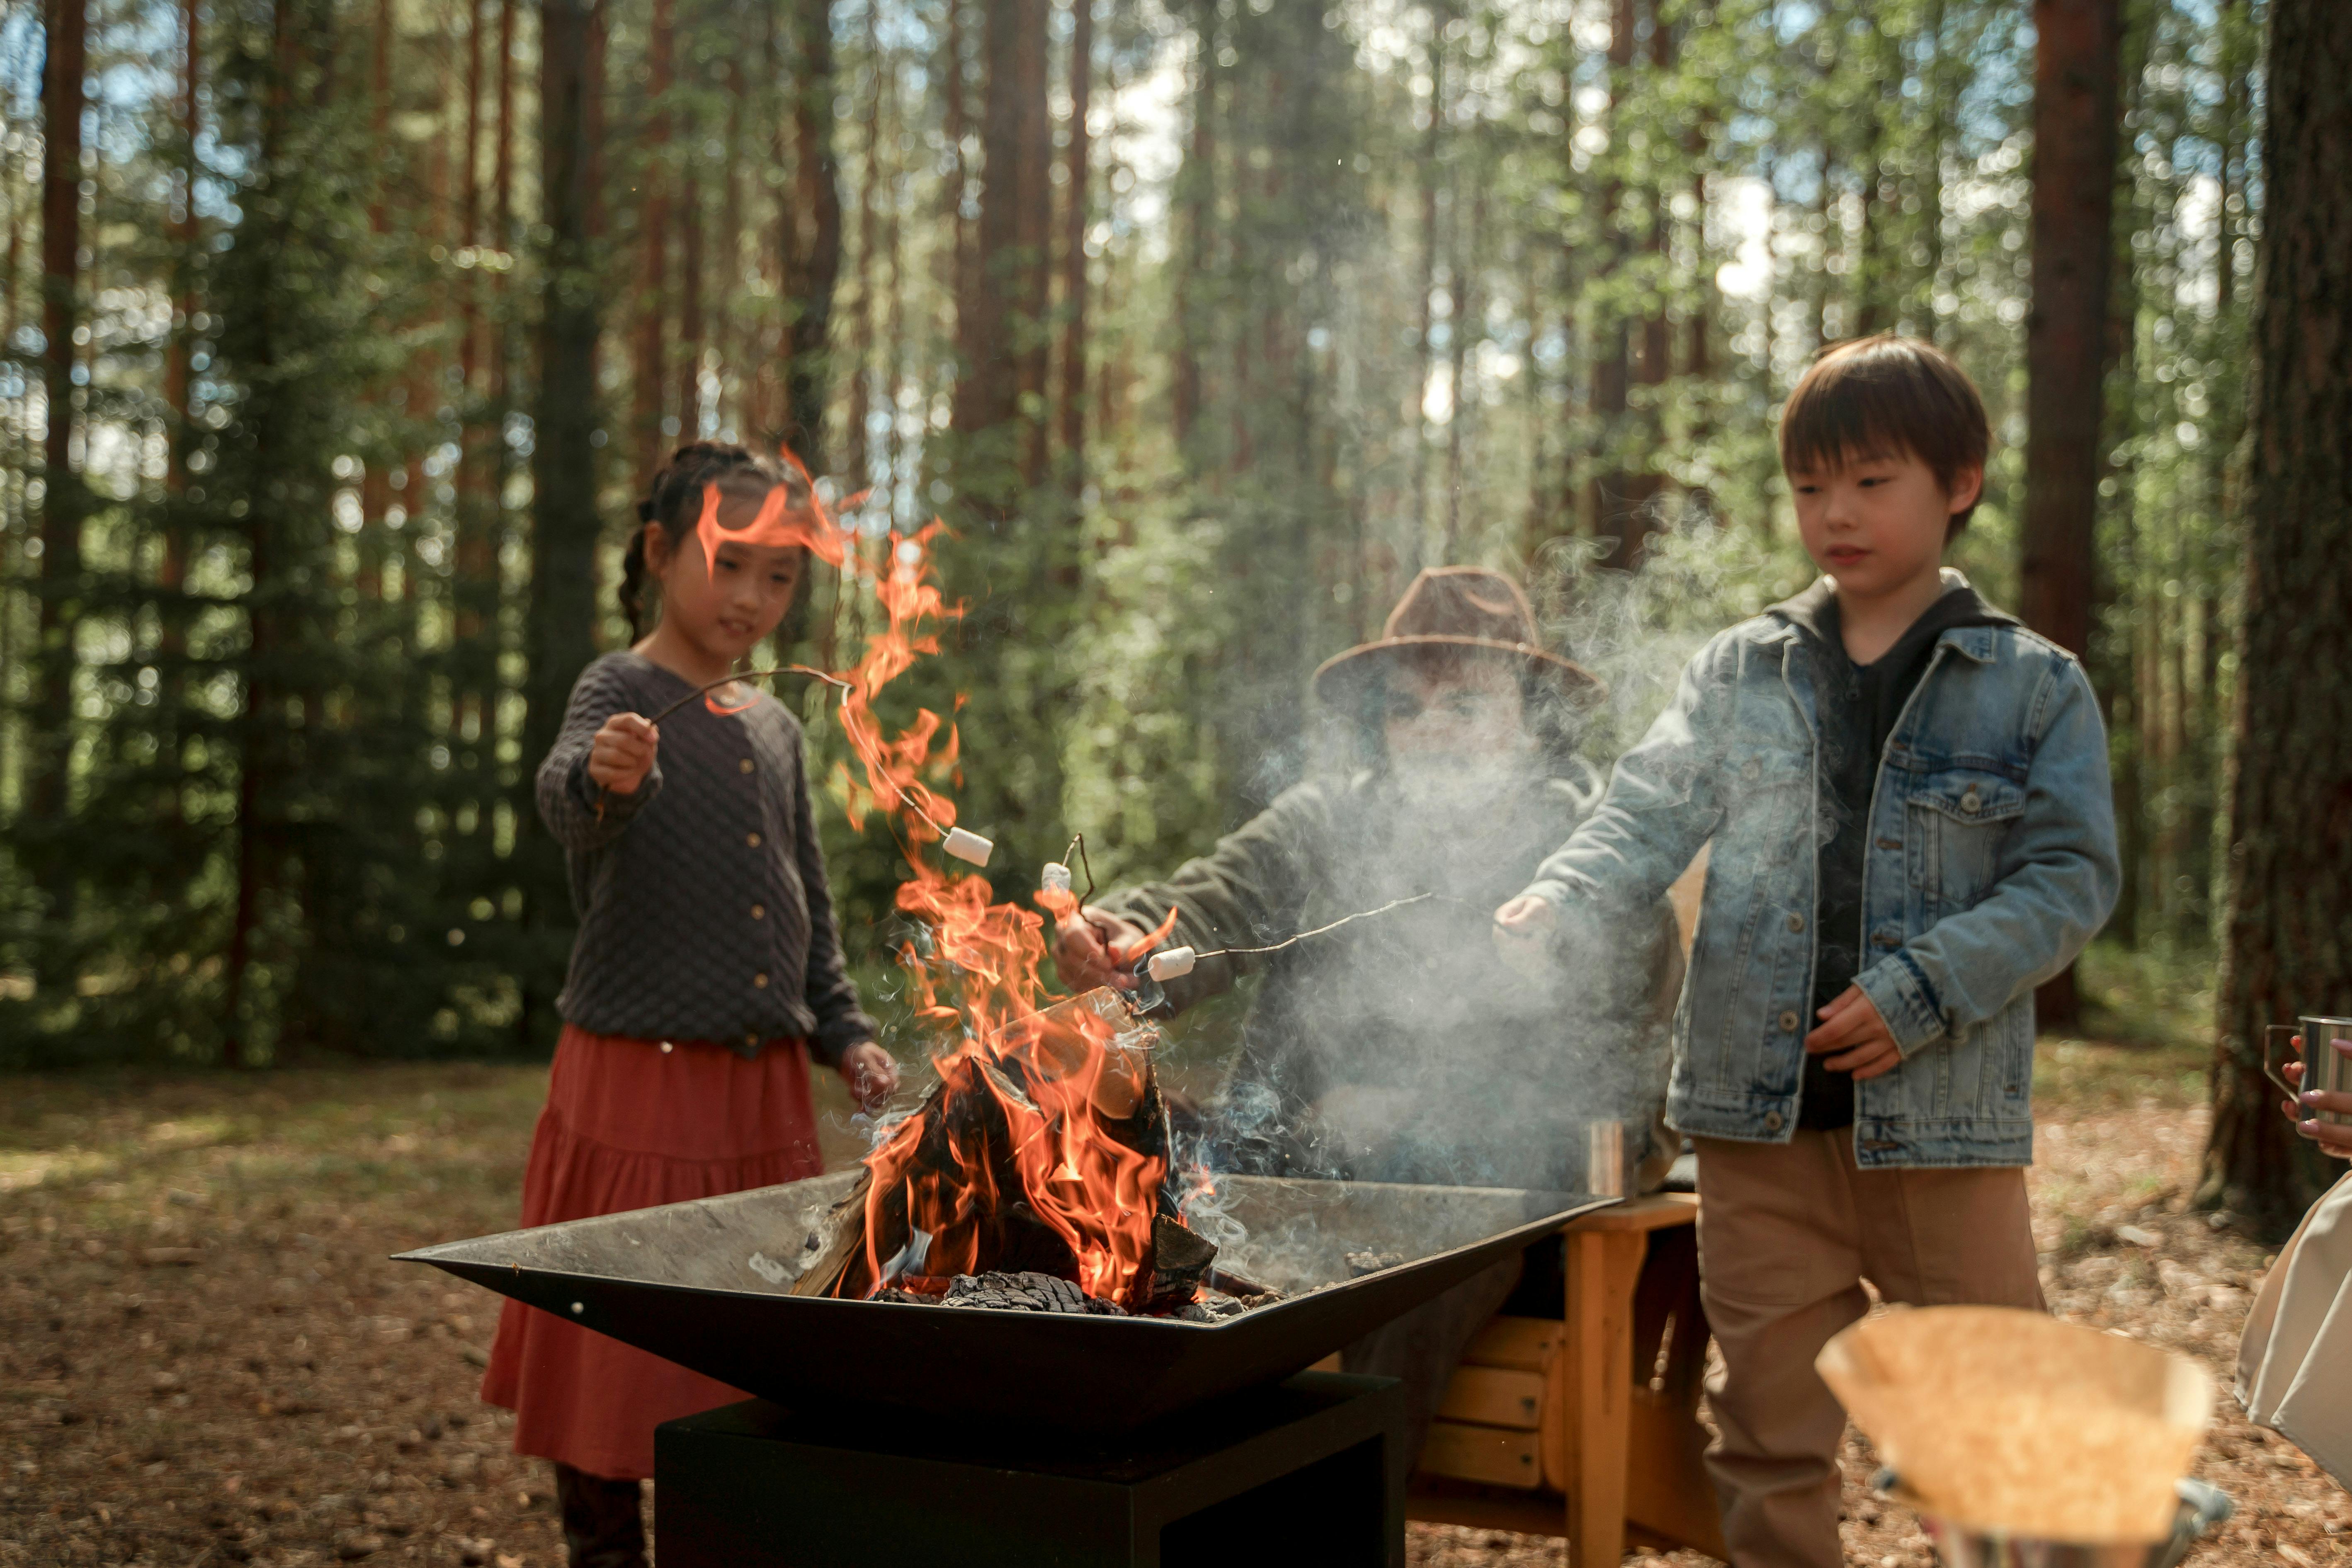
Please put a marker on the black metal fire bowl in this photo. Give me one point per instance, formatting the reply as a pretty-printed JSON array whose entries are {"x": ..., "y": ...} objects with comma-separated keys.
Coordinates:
[{"x": 704, "y": 1284}]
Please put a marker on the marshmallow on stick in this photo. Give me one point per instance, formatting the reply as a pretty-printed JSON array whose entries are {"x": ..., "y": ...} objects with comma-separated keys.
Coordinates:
[
  {"x": 968, "y": 846},
  {"x": 1170, "y": 963}
]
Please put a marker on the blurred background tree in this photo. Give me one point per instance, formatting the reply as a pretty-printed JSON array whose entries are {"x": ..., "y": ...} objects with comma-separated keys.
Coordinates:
[{"x": 336, "y": 335}]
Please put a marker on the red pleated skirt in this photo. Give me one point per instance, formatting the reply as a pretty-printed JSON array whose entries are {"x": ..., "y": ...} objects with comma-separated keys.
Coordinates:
[{"x": 628, "y": 1125}]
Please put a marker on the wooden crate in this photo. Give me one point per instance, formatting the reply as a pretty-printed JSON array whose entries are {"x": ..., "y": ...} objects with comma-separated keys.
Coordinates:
[{"x": 1493, "y": 1456}]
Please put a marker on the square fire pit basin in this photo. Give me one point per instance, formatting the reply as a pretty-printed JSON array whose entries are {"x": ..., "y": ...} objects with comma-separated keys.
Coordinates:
[{"x": 705, "y": 1284}]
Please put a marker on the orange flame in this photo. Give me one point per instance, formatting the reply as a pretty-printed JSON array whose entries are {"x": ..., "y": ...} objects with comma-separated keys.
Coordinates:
[
  {"x": 1049, "y": 1098},
  {"x": 1148, "y": 941}
]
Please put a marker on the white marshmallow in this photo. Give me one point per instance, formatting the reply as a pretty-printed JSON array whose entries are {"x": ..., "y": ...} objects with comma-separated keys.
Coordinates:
[
  {"x": 1170, "y": 963},
  {"x": 969, "y": 846},
  {"x": 1056, "y": 878}
]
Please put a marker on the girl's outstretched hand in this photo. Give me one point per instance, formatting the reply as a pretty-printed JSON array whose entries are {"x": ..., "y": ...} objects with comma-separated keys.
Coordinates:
[
  {"x": 623, "y": 753},
  {"x": 870, "y": 1074}
]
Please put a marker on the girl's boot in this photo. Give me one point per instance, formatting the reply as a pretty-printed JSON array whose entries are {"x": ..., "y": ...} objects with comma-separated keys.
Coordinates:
[{"x": 604, "y": 1521}]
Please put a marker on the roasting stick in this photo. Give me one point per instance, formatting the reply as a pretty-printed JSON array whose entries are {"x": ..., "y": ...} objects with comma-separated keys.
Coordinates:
[
  {"x": 956, "y": 841},
  {"x": 1170, "y": 963}
]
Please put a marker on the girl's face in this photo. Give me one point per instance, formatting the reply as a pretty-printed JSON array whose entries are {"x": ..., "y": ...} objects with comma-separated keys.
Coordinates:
[{"x": 727, "y": 604}]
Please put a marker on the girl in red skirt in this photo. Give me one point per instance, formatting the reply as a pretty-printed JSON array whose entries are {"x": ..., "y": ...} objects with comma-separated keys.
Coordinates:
[{"x": 707, "y": 972}]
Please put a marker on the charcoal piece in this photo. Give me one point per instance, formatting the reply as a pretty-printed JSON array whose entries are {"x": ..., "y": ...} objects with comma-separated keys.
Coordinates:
[
  {"x": 1362, "y": 1263},
  {"x": 1214, "y": 1306},
  {"x": 1024, "y": 1292},
  {"x": 903, "y": 1298}
]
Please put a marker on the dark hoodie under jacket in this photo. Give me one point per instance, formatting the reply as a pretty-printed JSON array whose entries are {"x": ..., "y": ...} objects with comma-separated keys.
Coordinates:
[{"x": 1859, "y": 705}]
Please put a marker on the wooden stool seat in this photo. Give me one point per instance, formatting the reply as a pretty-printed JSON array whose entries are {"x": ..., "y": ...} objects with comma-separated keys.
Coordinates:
[{"x": 1588, "y": 1427}]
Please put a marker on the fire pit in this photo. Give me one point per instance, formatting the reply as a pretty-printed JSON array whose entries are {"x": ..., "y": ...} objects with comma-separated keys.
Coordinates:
[{"x": 708, "y": 1284}]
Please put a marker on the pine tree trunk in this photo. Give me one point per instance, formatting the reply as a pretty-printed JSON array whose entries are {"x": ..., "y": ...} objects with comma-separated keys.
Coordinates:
[
  {"x": 690, "y": 326},
  {"x": 862, "y": 327},
  {"x": 998, "y": 451},
  {"x": 2074, "y": 81},
  {"x": 2288, "y": 948},
  {"x": 808, "y": 380},
  {"x": 1612, "y": 363},
  {"x": 1022, "y": 127},
  {"x": 561, "y": 618},
  {"x": 1077, "y": 213},
  {"x": 50, "y": 759},
  {"x": 648, "y": 376},
  {"x": 1425, "y": 289},
  {"x": 1196, "y": 199}
]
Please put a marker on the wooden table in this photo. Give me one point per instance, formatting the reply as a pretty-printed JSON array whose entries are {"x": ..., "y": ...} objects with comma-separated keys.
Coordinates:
[{"x": 1622, "y": 1442}]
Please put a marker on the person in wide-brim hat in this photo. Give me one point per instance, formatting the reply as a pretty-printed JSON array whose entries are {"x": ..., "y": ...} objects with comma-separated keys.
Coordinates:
[
  {"x": 1399, "y": 1048},
  {"x": 1457, "y": 612}
]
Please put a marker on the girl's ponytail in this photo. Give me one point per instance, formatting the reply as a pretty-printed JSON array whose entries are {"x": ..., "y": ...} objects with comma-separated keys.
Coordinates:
[{"x": 676, "y": 492}]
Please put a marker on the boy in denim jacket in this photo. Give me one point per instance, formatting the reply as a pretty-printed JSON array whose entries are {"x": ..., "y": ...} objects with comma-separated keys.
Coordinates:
[{"x": 1905, "y": 795}]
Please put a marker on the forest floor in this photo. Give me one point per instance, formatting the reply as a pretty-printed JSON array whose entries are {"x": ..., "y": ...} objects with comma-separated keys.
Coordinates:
[{"x": 205, "y": 1357}]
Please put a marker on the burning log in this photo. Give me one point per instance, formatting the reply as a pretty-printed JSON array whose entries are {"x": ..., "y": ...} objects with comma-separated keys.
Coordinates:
[{"x": 1041, "y": 1151}]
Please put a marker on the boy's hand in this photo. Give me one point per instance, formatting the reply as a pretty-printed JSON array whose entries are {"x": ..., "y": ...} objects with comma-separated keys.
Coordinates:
[
  {"x": 1523, "y": 930},
  {"x": 1086, "y": 944},
  {"x": 870, "y": 1074},
  {"x": 2334, "y": 1138},
  {"x": 1851, "y": 1027},
  {"x": 623, "y": 753}
]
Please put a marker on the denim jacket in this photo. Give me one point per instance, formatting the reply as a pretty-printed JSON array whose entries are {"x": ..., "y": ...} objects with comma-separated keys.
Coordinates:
[{"x": 1992, "y": 862}]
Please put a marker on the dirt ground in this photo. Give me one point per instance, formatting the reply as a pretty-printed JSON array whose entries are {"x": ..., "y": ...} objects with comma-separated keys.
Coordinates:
[{"x": 205, "y": 1357}]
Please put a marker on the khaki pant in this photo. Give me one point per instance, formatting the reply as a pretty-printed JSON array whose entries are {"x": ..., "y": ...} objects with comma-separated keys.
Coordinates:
[{"x": 1786, "y": 1233}]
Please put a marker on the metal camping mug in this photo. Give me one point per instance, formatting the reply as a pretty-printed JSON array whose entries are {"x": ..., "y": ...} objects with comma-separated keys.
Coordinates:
[{"x": 2323, "y": 1067}]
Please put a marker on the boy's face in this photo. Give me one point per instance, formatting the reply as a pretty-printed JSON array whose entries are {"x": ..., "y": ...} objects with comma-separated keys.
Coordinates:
[{"x": 1876, "y": 523}]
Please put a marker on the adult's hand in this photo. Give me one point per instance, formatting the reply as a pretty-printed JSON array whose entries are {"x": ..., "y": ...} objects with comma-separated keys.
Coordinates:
[
  {"x": 1523, "y": 931},
  {"x": 2335, "y": 1139},
  {"x": 1086, "y": 946},
  {"x": 623, "y": 753}
]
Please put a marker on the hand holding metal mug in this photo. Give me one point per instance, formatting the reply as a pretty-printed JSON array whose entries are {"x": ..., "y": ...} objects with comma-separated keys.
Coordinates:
[{"x": 2323, "y": 1110}]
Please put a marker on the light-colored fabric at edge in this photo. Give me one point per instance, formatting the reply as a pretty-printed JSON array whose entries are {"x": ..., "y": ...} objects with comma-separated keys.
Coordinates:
[{"x": 2294, "y": 1363}]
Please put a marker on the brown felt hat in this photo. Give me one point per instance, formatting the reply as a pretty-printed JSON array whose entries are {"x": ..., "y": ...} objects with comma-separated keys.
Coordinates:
[{"x": 1464, "y": 609}]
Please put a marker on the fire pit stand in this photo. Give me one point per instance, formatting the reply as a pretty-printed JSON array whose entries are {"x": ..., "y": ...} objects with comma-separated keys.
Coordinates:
[{"x": 1310, "y": 1471}]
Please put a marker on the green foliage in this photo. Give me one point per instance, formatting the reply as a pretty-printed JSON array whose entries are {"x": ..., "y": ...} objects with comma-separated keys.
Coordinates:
[{"x": 1370, "y": 287}]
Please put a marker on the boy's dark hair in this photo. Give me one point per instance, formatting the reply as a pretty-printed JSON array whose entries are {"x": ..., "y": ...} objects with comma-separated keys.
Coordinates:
[
  {"x": 1877, "y": 396},
  {"x": 674, "y": 500}
]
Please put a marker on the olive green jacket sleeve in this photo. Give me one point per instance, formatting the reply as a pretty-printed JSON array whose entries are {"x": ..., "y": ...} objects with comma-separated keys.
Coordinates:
[{"x": 1247, "y": 892}]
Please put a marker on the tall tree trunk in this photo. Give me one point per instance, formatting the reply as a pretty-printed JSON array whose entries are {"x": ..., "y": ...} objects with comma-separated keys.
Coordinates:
[
  {"x": 560, "y": 630},
  {"x": 2074, "y": 91},
  {"x": 171, "y": 572},
  {"x": 1004, "y": 347},
  {"x": 1612, "y": 363},
  {"x": 1025, "y": 131},
  {"x": 2289, "y": 934},
  {"x": 64, "y": 502},
  {"x": 812, "y": 235},
  {"x": 690, "y": 325},
  {"x": 648, "y": 377},
  {"x": 1433, "y": 142},
  {"x": 1196, "y": 199},
  {"x": 862, "y": 327},
  {"x": 961, "y": 280},
  {"x": 1077, "y": 213},
  {"x": 474, "y": 587}
]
